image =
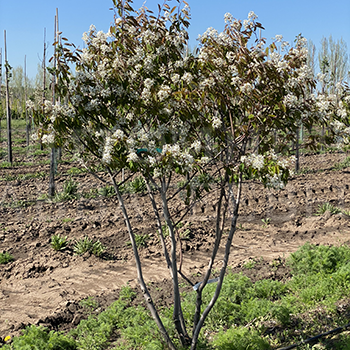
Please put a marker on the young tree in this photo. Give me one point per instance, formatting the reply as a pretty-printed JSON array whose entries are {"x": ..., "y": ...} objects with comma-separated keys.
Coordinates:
[
  {"x": 333, "y": 62},
  {"x": 137, "y": 102}
]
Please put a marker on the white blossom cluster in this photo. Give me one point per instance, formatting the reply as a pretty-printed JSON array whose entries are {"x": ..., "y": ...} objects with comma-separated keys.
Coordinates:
[
  {"x": 256, "y": 161},
  {"x": 342, "y": 133},
  {"x": 248, "y": 23},
  {"x": 130, "y": 101},
  {"x": 275, "y": 182},
  {"x": 263, "y": 164},
  {"x": 110, "y": 142}
]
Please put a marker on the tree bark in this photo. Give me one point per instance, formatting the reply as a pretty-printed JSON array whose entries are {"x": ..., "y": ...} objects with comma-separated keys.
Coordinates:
[
  {"x": 218, "y": 235},
  {"x": 177, "y": 314},
  {"x": 223, "y": 269},
  {"x": 141, "y": 281},
  {"x": 159, "y": 227}
]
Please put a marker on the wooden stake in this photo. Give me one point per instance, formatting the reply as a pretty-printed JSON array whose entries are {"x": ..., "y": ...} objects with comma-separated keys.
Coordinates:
[
  {"x": 52, "y": 154},
  {"x": 8, "y": 111},
  {"x": 44, "y": 82},
  {"x": 0, "y": 81},
  {"x": 25, "y": 99}
]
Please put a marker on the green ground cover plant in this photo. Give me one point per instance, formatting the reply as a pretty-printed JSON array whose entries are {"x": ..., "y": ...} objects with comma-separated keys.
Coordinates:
[
  {"x": 322, "y": 208},
  {"x": 240, "y": 318},
  {"x": 39, "y": 338},
  {"x": 137, "y": 185},
  {"x": 59, "y": 243},
  {"x": 69, "y": 192},
  {"x": 86, "y": 244},
  {"x": 23, "y": 177},
  {"x": 90, "y": 303},
  {"x": 5, "y": 258},
  {"x": 342, "y": 165},
  {"x": 140, "y": 240},
  {"x": 106, "y": 191}
]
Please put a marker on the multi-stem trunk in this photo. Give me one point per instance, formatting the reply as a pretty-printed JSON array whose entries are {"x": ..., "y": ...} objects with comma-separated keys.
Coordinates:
[
  {"x": 223, "y": 269},
  {"x": 159, "y": 226},
  {"x": 218, "y": 235},
  {"x": 141, "y": 281},
  {"x": 177, "y": 314}
]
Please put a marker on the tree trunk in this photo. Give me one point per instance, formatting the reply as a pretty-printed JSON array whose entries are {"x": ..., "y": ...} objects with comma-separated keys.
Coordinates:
[
  {"x": 141, "y": 281},
  {"x": 159, "y": 226},
  {"x": 218, "y": 235},
  {"x": 223, "y": 269},
  {"x": 177, "y": 314}
]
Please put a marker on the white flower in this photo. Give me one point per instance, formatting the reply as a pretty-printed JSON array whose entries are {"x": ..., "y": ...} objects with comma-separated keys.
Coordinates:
[
  {"x": 148, "y": 83},
  {"x": 118, "y": 134},
  {"x": 157, "y": 172},
  {"x": 173, "y": 150},
  {"x": 216, "y": 122},
  {"x": 252, "y": 16},
  {"x": 290, "y": 100},
  {"x": 164, "y": 92},
  {"x": 187, "y": 78},
  {"x": 48, "y": 139},
  {"x": 30, "y": 104},
  {"x": 275, "y": 182},
  {"x": 152, "y": 160},
  {"x": 209, "y": 82},
  {"x": 132, "y": 157},
  {"x": 175, "y": 78},
  {"x": 228, "y": 17},
  {"x": 278, "y": 38},
  {"x": 246, "y": 88},
  {"x": 204, "y": 160},
  {"x": 256, "y": 161},
  {"x": 196, "y": 145},
  {"x": 230, "y": 56}
]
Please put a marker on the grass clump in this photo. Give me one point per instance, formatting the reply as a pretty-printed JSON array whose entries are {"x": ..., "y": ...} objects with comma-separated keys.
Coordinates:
[
  {"x": 137, "y": 185},
  {"x": 106, "y": 191},
  {"x": 311, "y": 259},
  {"x": 5, "y": 258},
  {"x": 76, "y": 171},
  {"x": 59, "y": 243},
  {"x": 86, "y": 244},
  {"x": 140, "y": 240},
  {"x": 342, "y": 165},
  {"x": 90, "y": 304},
  {"x": 327, "y": 207},
  {"x": 70, "y": 191}
]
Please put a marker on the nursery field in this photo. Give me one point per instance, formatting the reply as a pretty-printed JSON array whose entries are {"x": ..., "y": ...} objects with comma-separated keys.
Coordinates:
[{"x": 59, "y": 288}]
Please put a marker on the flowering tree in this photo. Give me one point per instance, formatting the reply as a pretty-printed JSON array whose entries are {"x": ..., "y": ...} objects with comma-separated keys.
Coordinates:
[{"x": 138, "y": 102}]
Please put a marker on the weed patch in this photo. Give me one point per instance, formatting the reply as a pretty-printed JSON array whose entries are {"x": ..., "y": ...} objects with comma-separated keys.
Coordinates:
[{"x": 5, "y": 258}]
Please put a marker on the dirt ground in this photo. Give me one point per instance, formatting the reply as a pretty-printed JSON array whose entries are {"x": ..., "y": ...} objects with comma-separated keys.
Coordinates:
[{"x": 44, "y": 287}]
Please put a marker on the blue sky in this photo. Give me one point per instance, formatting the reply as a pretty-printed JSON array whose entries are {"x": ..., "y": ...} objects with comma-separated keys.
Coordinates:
[{"x": 24, "y": 21}]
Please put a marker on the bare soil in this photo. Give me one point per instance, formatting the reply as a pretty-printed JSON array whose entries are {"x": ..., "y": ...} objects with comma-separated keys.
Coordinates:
[{"x": 43, "y": 287}]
